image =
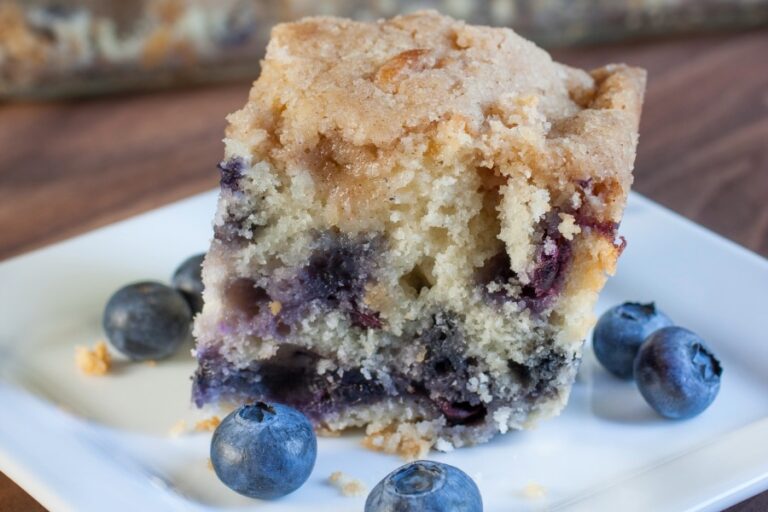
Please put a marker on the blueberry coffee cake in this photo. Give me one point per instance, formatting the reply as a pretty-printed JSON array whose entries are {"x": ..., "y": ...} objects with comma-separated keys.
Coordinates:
[{"x": 416, "y": 216}]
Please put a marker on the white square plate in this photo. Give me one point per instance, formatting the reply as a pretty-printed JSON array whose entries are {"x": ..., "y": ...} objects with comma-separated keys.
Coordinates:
[{"x": 91, "y": 444}]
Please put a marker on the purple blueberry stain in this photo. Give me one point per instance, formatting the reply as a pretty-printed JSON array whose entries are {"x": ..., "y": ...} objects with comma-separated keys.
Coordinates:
[
  {"x": 337, "y": 272},
  {"x": 553, "y": 255},
  {"x": 334, "y": 278},
  {"x": 365, "y": 318},
  {"x": 289, "y": 377},
  {"x": 607, "y": 229},
  {"x": 535, "y": 378},
  {"x": 231, "y": 172},
  {"x": 445, "y": 372},
  {"x": 232, "y": 231},
  {"x": 548, "y": 276},
  {"x": 461, "y": 413}
]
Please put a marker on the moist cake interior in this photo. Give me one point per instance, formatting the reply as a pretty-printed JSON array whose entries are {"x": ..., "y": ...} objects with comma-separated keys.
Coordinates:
[{"x": 415, "y": 219}]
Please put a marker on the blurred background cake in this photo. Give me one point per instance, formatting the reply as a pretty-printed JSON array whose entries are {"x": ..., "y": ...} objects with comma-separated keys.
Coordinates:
[{"x": 53, "y": 48}]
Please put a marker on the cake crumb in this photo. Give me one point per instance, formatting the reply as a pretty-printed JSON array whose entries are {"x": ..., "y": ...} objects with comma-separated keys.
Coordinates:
[
  {"x": 534, "y": 491},
  {"x": 151, "y": 363},
  {"x": 209, "y": 463},
  {"x": 208, "y": 424},
  {"x": 347, "y": 485},
  {"x": 275, "y": 307},
  {"x": 178, "y": 428},
  {"x": 402, "y": 439},
  {"x": 568, "y": 227},
  {"x": 96, "y": 361}
]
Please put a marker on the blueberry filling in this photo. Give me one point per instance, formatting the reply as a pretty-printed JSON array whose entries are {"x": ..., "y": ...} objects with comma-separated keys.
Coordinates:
[
  {"x": 232, "y": 230},
  {"x": 231, "y": 172},
  {"x": 605, "y": 228},
  {"x": 291, "y": 377},
  {"x": 462, "y": 413},
  {"x": 243, "y": 295},
  {"x": 334, "y": 278},
  {"x": 552, "y": 259},
  {"x": 445, "y": 371},
  {"x": 336, "y": 273},
  {"x": 535, "y": 378},
  {"x": 553, "y": 256}
]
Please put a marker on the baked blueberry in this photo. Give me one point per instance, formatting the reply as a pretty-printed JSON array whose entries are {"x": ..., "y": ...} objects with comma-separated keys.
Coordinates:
[
  {"x": 231, "y": 172},
  {"x": 147, "y": 320},
  {"x": 189, "y": 281},
  {"x": 677, "y": 374},
  {"x": 620, "y": 332},
  {"x": 425, "y": 486},
  {"x": 264, "y": 450}
]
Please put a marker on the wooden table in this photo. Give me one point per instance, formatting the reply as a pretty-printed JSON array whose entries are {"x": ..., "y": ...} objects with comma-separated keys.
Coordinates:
[{"x": 69, "y": 167}]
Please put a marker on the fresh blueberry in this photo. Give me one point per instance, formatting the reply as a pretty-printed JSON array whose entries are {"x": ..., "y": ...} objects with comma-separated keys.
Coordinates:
[
  {"x": 264, "y": 450},
  {"x": 620, "y": 332},
  {"x": 676, "y": 373},
  {"x": 189, "y": 281},
  {"x": 425, "y": 486},
  {"x": 147, "y": 320}
]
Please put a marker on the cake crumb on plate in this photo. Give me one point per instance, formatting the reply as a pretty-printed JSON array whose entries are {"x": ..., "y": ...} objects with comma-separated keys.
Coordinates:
[
  {"x": 405, "y": 440},
  {"x": 347, "y": 485},
  {"x": 96, "y": 361},
  {"x": 534, "y": 491},
  {"x": 207, "y": 424},
  {"x": 178, "y": 428}
]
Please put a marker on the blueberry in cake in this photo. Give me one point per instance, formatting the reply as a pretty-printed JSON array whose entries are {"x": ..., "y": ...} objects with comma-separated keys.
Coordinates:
[{"x": 416, "y": 217}]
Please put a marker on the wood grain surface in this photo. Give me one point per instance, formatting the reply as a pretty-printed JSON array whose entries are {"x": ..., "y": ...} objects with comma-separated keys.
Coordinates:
[{"x": 69, "y": 167}]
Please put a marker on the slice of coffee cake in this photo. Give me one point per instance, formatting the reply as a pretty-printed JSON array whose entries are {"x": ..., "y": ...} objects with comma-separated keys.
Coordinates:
[{"x": 416, "y": 216}]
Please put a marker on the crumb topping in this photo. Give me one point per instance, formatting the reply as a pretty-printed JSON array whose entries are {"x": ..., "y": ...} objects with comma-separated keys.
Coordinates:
[
  {"x": 96, "y": 361},
  {"x": 347, "y": 485},
  {"x": 362, "y": 93}
]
